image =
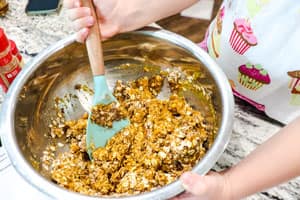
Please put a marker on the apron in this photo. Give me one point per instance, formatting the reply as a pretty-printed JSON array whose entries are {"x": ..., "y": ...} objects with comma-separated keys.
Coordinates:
[{"x": 257, "y": 44}]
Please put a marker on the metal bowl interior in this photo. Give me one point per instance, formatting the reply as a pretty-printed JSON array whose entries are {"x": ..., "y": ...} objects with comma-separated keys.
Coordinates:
[{"x": 29, "y": 107}]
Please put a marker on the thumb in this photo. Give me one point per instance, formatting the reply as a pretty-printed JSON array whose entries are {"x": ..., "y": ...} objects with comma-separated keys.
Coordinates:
[{"x": 199, "y": 185}]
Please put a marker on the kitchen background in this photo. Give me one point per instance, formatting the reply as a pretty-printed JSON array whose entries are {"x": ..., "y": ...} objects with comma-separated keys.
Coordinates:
[{"x": 32, "y": 34}]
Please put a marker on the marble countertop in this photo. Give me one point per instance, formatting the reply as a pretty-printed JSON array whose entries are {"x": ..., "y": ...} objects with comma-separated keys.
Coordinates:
[{"x": 33, "y": 34}]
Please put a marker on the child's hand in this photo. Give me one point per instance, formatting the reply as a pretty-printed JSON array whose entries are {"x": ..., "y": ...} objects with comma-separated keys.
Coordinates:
[
  {"x": 117, "y": 16},
  {"x": 112, "y": 17},
  {"x": 213, "y": 186},
  {"x": 82, "y": 19}
]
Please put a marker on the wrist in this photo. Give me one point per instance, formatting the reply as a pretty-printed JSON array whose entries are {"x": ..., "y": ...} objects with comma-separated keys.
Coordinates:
[
  {"x": 139, "y": 13},
  {"x": 234, "y": 184},
  {"x": 228, "y": 188}
]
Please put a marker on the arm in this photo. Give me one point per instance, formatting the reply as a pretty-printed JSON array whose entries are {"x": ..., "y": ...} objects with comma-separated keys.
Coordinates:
[
  {"x": 272, "y": 163},
  {"x": 116, "y": 16},
  {"x": 144, "y": 12}
]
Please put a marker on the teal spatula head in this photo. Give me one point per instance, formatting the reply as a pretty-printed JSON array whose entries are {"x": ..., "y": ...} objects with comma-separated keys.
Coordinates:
[{"x": 97, "y": 135}]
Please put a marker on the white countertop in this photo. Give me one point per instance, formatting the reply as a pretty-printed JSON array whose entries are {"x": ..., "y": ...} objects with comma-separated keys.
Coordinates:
[{"x": 33, "y": 34}]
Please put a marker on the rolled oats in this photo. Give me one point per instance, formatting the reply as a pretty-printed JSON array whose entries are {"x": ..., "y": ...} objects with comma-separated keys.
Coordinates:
[{"x": 164, "y": 139}]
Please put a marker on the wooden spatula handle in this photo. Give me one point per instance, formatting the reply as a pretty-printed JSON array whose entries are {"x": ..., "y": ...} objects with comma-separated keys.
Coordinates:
[{"x": 93, "y": 43}]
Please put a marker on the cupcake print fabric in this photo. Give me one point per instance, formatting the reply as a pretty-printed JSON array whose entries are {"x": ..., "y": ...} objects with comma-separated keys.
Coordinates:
[
  {"x": 253, "y": 77},
  {"x": 259, "y": 56},
  {"x": 242, "y": 36},
  {"x": 294, "y": 87},
  {"x": 214, "y": 45}
]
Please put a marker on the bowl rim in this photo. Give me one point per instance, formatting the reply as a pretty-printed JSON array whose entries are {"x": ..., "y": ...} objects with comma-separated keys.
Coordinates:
[{"x": 52, "y": 190}]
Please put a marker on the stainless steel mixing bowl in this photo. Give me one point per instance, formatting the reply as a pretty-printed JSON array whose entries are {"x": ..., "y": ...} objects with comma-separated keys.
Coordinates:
[{"x": 28, "y": 107}]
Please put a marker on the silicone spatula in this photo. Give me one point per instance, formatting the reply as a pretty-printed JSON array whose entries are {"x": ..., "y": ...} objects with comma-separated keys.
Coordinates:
[{"x": 96, "y": 135}]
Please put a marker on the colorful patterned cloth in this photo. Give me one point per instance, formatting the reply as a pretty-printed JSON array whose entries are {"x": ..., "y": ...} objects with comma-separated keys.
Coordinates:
[{"x": 257, "y": 44}]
